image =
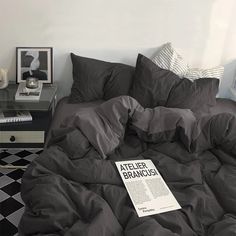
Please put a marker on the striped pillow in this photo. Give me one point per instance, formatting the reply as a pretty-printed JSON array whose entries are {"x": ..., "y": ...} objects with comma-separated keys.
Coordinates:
[
  {"x": 195, "y": 73},
  {"x": 167, "y": 58}
]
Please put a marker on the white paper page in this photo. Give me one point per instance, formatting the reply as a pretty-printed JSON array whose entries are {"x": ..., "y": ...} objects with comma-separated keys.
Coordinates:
[{"x": 148, "y": 191}]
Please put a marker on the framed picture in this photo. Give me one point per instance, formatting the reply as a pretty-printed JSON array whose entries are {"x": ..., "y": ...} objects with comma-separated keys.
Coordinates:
[{"x": 36, "y": 62}]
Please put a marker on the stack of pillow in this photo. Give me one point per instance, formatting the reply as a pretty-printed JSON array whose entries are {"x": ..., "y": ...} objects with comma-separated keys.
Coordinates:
[{"x": 166, "y": 80}]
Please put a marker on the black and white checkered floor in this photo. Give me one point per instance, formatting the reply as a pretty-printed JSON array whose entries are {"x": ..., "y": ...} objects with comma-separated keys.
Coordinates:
[{"x": 11, "y": 204}]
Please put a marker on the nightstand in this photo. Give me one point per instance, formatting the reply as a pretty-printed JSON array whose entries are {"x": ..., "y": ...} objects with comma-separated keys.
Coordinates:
[{"x": 28, "y": 134}]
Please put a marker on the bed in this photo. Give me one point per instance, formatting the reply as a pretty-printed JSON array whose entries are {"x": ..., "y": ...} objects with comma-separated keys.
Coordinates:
[{"x": 74, "y": 188}]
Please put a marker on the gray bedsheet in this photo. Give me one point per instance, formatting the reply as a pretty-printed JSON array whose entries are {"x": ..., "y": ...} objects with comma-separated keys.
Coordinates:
[
  {"x": 223, "y": 105},
  {"x": 65, "y": 109},
  {"x": 74, "y": 188}
]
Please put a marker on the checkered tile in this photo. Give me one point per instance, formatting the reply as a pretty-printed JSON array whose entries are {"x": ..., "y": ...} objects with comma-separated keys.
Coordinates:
[{"x": 11, "y": 204}]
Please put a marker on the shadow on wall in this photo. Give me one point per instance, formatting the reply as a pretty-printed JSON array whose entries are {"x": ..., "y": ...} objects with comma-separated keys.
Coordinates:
[
  {"x": 230, "y": 67},
  {"x": 227, "y": 81},
  {"x": 63, "y": 74},
  {"x": 132, "y": 34},
  {"x": 201, "y": 31}
]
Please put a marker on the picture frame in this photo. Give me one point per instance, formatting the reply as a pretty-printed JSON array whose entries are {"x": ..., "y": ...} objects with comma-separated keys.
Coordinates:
[{"x": 36, "y": 62}]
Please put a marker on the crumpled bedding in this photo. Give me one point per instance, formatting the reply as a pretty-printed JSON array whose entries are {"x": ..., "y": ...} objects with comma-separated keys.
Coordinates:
[{"x": 74, "y": 188}]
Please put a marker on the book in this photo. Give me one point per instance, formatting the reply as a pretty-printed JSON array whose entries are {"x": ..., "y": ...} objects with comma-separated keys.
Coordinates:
[
  {"x": 25, "y": 94},
  {"x": 14, "y": 116},
  {"x": 147, "y": 190}
]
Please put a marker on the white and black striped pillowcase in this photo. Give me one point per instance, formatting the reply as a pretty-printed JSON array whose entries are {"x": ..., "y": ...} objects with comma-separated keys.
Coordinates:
[
  {"x": 195, "y": 73},
  {"x": 167, "y": 58}
]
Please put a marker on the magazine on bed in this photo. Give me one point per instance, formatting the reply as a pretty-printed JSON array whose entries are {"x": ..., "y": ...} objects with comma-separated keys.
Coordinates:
[
  {"x": 14, "y": 116},
  {"x": 148, "y": 191}
]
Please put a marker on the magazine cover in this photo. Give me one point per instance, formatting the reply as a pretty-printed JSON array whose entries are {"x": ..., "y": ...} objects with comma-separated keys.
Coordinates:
[{"x": 147, "y": 190}]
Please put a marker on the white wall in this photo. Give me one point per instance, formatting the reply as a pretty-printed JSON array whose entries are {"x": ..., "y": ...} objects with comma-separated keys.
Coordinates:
[{"x": 203, "y": 31}]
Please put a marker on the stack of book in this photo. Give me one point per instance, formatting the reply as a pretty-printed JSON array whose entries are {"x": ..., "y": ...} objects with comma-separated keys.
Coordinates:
[
  {"x": 14, "y": 116},
  {"x": 25, "y": 94}
]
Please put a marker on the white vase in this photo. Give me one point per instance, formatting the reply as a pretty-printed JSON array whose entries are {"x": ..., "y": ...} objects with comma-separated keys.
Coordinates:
[{"x": 3, "y": 78}]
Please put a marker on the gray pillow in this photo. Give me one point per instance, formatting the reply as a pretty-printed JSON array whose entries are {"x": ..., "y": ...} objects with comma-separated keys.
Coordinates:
[
  {"x": 94, "y": 79},
  {"x": 152, "y": 84},
  {"x": 198, "y": 95}
]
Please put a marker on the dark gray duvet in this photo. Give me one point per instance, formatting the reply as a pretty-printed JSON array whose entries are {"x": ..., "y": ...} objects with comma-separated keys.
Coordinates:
[{"x": 73, "y": 188}]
